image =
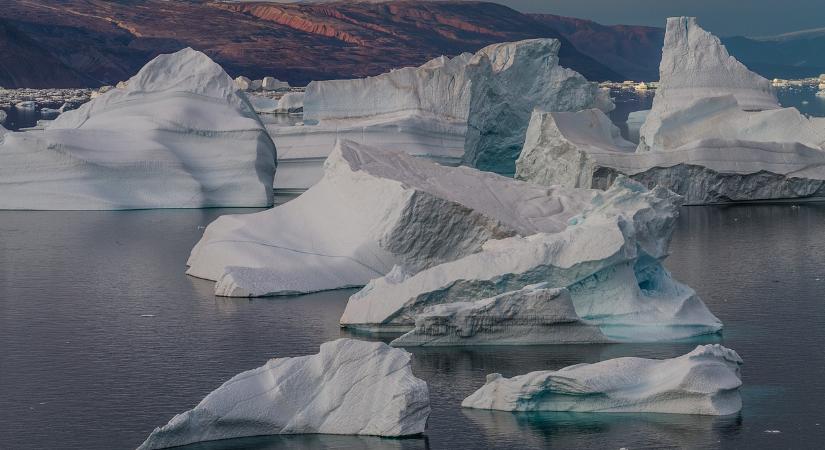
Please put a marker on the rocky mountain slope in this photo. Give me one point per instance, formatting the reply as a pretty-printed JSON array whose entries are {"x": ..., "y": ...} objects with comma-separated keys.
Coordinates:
[{"x": 108, "y": 41}]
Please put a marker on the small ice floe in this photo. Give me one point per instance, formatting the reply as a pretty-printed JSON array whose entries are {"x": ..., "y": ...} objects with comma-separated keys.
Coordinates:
[
  {"x": 349, "y": 387},
  {"x": 772, "y": 431},
  {"x": 705, "y": 381}
]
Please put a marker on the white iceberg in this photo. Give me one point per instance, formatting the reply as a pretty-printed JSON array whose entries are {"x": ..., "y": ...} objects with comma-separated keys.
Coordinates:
[
  {"x": 608, "y": 258},
  {"x": 291, "y": 103},
  {"x": 349, "y": 387},
  {"x": 635, "y": 120},
  {"x": 711, "y": 139},
  {"x": 705, "y": 381},
  {"x": 426, "y": 111},
  {"x": 179, "y": 135},
  {"x": 273, "y": 84},
  {"x": 373, "y": 210},
  {"x": 532, "y": 315}
]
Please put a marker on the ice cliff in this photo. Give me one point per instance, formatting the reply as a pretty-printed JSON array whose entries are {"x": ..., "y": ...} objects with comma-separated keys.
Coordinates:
[
  {"x": 608, "y": 258},
  {"x": 705, "y": 381},
  {"x": 178, "y": 135},
  {"x": 374, "y": 209},
  {"x": 471, "y": 108},
  {"x": 715, "y": 134},
  {"x": 349, "y": 387}
]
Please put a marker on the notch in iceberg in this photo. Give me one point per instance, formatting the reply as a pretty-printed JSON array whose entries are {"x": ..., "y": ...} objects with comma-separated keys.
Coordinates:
[
  {"x": 529, "y": 316},
  {"x": 349, "y": 387},
  {"x": 705, "y": 381},
  {"x": 178, "y": 135},
  {"x": 374, "y": 209},
  {"x": 608, "y": 258}
]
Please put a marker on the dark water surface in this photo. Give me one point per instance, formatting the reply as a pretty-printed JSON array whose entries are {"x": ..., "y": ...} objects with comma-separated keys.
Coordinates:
[{"x": 102, "y": 338}]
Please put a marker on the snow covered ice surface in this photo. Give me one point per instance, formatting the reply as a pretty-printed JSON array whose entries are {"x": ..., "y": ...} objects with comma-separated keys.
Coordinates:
[
  {"x": 705, "y": 381},
  {"x": 715, "y": 134},
  {"x": 349, "y": 387},
  {"x": 426, "y": 111},
  {"x": 178, "y": 135},
  {"x": 608, "y": 258},
  {"x": 373, "y": 210},
  {"x": 532, "y": 315}
]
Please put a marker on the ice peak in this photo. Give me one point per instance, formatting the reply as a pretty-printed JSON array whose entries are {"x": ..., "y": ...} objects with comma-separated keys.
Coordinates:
[{"x": 696, "y": 64}]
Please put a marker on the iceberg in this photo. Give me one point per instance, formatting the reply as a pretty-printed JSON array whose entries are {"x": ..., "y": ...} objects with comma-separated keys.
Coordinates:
[
  {"x": 705, "y": 381},
  {"x": 373, "y": 210},
  {"x": 349, "y": 387},
  {"x": 470, "y": 109},
  {"x": 291, "y": 103},
  {"x": 608, "y": 258},
  {"x": 715, "y": 134},
  {"x": 179, "y": 135},
  {"x": 533, "y": 315}
]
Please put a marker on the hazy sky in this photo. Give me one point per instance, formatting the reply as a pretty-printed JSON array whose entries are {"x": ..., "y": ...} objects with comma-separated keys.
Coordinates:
[{"x": 723, "y": 17}]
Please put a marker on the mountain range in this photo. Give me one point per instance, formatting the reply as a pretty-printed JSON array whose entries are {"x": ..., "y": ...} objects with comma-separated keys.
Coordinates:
[{"x": 72, "y": 43}]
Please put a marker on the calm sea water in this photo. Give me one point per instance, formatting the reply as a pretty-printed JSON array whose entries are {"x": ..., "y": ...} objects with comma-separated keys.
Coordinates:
[{"x": 104, "y": 338}]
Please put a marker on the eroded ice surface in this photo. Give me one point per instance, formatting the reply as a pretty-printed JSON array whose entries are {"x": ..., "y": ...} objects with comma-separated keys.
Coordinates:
[
  {"x": 713, "y": 135},
  {"x": 705, "y": 381},
  {"x": 349, "y": 387},
  {"x": 608, "y": 258},
  {"x": 374, "y": 209},
  {"x": 178, "y": 135},
  {"x": 529, "y": 316}
]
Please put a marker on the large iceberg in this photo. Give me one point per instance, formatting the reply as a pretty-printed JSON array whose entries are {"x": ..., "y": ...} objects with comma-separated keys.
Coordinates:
[
  {"x": 373, "y": 210},
  {"x": 532, "y": 315},
  {"x": 470, "y": 108},
  {"x": 715, "y": 134},
  {"x": 705, "y": 381},
  {"x": 608, "y": 258},
  {"x": 349, "y": 387},
  {"x": 178, "y": 135}
]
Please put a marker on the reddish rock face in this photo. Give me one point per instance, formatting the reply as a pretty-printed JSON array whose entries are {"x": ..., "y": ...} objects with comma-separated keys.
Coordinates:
[{"x": 102, "y": 42}]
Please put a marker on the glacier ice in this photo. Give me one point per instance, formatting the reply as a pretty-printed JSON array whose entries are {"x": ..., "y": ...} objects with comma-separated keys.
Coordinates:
[
  {"x": 349, "y": 387},
  {"x": 715, "y": 134},
  {"x": 533, "y": 315},
  {"x": 374, "y": 209},
  {"x": 470, "y": 108},
  {"x": 608, "y": 258},
  {"x": 179, "y": 135},
  {"x": 705, "y": 381},
  {"x": 515, "y": 79}
]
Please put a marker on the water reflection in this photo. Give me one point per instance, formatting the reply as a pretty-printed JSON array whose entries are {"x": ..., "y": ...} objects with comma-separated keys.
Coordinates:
[
  {"x": 592, "y": 430},
  {"x": 313, "y": 442}
]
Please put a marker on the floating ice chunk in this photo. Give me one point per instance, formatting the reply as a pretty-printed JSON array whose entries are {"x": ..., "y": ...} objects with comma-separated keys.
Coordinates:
[
  {"x": 272, "y": 84},
  {"x": 608, "y": 258},
  {"x": 180, "y": 135},
  {"x": 532, "y": 315},
  {"x": 705, "y": 381},
  {"x": 349, "y": 387},
  {"x": 635, "y": 120},
  {"x": 242, "y": 83},
  {"x": 291, "y": 102},
  {"x": 374, "y": 209},
  {"x": 263, "y": 104}
]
